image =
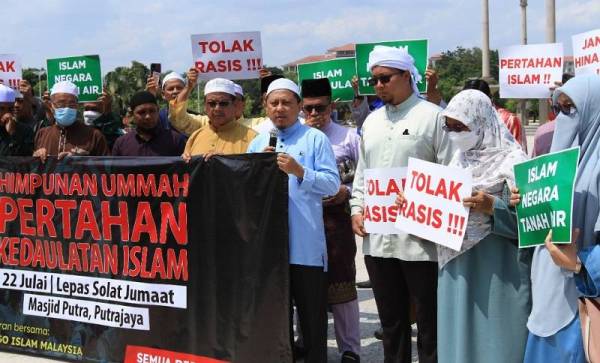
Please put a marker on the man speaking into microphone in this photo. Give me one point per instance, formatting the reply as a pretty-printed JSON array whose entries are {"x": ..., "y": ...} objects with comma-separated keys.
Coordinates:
[{"x": 306, "y": 155}]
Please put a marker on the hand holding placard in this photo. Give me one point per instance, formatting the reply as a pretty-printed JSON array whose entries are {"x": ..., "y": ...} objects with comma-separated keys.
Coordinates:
[{"x": 432, "y": 204}]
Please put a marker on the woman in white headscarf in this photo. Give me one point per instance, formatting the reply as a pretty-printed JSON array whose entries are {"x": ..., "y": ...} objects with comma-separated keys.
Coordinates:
[{"x": 483, "y": 289}]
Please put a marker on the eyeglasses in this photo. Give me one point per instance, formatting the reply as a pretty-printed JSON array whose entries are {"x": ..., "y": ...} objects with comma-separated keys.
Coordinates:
[
  {"x": 319, "y": 108},
  {"x": 383, "y": 78},
  {"x": 222, "y": 104},
  {"x": 567, "y": 110},
  {"x": 456, "y": 128}
]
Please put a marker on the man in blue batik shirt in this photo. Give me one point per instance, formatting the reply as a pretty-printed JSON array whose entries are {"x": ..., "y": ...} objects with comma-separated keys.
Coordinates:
[{"x": 306, "y": 155}]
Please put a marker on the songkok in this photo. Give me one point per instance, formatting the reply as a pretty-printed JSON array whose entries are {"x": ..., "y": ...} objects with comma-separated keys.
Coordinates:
[
  {"x": 219, "y": 85},
  {"x": 316, "y": 88},
  {"x": 171, "y": 76},
  {"x": 283, "y": 83},
  {"x": 397, "y": 58},
  {"x": 65, "y": 87},
  {"x": 140, "y": 98},
  {"x": 266, "y": 81},
  {"x": 238, "y": 89},
  {"x": 7, "y": 94}
]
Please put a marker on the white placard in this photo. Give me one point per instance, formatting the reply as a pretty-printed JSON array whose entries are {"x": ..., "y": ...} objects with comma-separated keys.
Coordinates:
[
  {"x": 586, "y": 52},
  {"x": 528, "y": 71},
  {"x": 381, "y": 188},
  {"x": 227, "y": 55},
  {"x": 434, "y": 209},
  {"x": 10, "y": 70}
]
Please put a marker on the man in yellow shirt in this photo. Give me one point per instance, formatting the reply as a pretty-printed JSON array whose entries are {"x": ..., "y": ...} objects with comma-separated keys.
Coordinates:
[
  {"x": 188, "y": 123},
  {"x": 222, "y": 134}
]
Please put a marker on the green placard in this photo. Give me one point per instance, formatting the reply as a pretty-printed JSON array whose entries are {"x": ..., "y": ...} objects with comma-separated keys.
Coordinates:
[
  {"x": 417, "y": 48},
  {"x": 546, "y": 186},
  {"x": 84, "y": 71},
  {"x": 339, "y": 72}
]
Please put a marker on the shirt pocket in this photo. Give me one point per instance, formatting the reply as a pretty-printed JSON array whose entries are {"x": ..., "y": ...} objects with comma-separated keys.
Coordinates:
[{"x": 415, "y": 146}]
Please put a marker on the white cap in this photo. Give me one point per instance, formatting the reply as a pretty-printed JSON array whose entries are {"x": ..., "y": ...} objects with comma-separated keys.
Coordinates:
[
  {"x": 65, "y": 87},
  {"x": 283, "y": 83},
  {"x": 238, "y": 89},
  {"x": 18, "y": 94},
  {"x": 171, "y": 76},
  {"x": 7, "y": 94},
  {"x": 219, "y": 85},
  {"x": 397, "y": 58}
]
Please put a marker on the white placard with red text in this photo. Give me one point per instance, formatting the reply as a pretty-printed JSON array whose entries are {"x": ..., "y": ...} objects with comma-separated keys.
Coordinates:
[
  {"x": 586, "y": 52},
  {"x": 227, "y": 55},
  {"x": 528, "y": 71},
  {"x": 381, "y": 189},
  {"x": 434, "y": 210},
  {"x": 10, "y": 70}
]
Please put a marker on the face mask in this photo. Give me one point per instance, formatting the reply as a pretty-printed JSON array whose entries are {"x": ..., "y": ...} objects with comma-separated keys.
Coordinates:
[
  {"x": 90, "y": 116},
  {"x": 65, "y": 116},
  {"x": 463, "y": 141}
]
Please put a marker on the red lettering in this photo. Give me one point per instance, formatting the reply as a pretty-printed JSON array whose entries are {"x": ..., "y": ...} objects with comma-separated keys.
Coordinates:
[
  {"x": 144, "y": 223},
  {"x": 178, "y": 228},
  {"x": 44, "y": 215},
  {"x": 25, "y": 216},
  {"x": 86, "y": 221},
  {"x": 8, "y": 212},
  {"x": 120, "y": 220}
]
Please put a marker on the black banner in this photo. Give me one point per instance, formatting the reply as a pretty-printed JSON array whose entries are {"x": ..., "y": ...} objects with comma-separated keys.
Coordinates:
[{"x": 145, "y": 259}]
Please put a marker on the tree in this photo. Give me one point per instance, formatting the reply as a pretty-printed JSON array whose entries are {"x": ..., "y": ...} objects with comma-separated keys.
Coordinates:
[
  {"x": 457, "y": 66},
  {"x": 122, "y": 83}
]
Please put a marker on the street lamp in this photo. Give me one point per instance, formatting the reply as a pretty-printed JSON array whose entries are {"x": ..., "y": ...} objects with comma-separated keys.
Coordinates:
[{"x": 39, "y": 73}]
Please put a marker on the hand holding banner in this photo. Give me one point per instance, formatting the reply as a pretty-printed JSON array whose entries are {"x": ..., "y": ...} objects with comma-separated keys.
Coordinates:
[
  {"x": 338, "y": 71},
  {"x": 83, "y": 71},
  {"x": 10, "y": 70},
  {"x": 381, "y": 189},
  {"x": 528, "y": 71},
  {"x": 586, "y": 52},
  {"x": 418, "y": 49},
  {"x": 434, "y": 209},
  {"x": 233, "y": 56},
  {"x": 546, "y": 186}
]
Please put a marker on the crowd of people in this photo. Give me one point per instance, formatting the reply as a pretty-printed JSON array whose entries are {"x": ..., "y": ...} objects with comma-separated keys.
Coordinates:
[{"x": 488, "y": 302}]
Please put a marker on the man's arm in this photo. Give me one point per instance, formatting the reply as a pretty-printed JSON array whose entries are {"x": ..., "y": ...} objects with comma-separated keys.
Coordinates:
[
  {"x": 324, "y": 178},
  {"x": 178, "y": 115}
]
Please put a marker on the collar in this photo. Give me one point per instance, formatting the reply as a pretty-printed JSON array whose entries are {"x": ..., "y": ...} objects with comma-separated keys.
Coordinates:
[
  {"x": 402, "y": 107},
  {"x": 291, "y": 129}
]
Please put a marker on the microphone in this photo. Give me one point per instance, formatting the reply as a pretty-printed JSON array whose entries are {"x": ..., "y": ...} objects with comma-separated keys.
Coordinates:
[{"x": 273, "y": 137}]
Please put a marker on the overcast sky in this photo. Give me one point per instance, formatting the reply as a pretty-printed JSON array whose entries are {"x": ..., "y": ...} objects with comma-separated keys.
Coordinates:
[{"x": 159, "y": 31}]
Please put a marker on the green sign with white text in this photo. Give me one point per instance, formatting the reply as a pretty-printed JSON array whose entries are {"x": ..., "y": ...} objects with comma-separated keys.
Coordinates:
[
  {"x": 84, "y": 71},
  {"x": 339, "y": 72},
  {"x": 418, "y": 49},
  {"x": 546, "y": 186}
]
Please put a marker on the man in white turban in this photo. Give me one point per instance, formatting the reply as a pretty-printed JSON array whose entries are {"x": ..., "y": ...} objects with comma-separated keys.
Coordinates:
[
  {"x": 402, "y": 268},
  {"x": 68, "y": 136}
]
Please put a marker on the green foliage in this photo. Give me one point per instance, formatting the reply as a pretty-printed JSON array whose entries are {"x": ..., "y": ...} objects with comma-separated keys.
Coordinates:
[
  {"x": 124, "y": 82},
  {"x": 33, "y": 76},
  {"x": 457, "y": 66}
]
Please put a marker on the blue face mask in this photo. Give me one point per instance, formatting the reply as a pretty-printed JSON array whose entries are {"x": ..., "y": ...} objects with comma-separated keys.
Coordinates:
[{"x": 65, "y": 116}]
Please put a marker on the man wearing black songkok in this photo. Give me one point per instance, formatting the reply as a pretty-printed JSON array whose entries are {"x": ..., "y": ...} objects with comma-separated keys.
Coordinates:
[{"x": 149, "y": 138}]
